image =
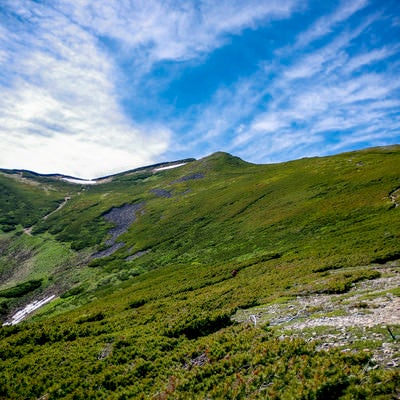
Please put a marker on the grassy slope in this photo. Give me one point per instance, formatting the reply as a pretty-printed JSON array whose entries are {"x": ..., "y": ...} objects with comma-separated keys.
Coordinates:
[
  {"x": 167, "y": 332},
  {"x": 25, "y": 198}
]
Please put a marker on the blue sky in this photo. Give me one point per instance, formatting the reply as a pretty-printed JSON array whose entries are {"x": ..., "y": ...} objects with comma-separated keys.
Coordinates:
[{"x": 90, "y": 88}]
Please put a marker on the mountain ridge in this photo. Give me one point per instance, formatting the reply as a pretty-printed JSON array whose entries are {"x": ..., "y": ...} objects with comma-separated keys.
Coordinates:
[
  {"x": 60, "y": 176},
  {"x": 217, "y": 154}
]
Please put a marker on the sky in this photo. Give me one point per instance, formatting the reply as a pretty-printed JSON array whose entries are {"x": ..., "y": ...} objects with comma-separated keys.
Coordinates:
[{"x": 91, "y": 88}]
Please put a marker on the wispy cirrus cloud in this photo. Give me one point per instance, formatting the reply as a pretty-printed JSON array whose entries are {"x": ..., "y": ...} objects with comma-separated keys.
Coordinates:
[
  {"x": 59, "y": 107},
  {"x": 325, "y": 98},
  {"x": 65, "y": 65},
  {"x": 170, "y": 30},
  {"x": 90, "y": 88},
  {"x": 327, "y": 23}
]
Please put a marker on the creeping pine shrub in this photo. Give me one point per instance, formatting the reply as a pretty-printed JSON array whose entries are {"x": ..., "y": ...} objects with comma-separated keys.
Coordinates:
[
  {"x": 99, "y": 316},
  {"x": 74, "y": 291},
  {"x": 21, "y": 289},
  {"x": 391, "y": 256},
  {"x": 198, "y": 327},
  {"x": 137, "y": 303},
  {"x": 342, "y": 283}
]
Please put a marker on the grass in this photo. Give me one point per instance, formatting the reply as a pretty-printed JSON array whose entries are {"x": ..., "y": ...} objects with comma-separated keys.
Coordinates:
[
  {"x": 395, "y": 292},
  {"x": 25, "y": 198},
  {"x": 162, "y": 322},
  {"x": 28, "y": 257},
  {"x": 20, "y": 289}
]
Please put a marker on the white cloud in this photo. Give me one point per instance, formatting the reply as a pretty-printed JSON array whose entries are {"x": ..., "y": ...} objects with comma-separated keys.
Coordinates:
[
  {"x": 325, "y": 25},
  {"x": 60, "y": 111},
  {"x": 60, "y": 108},
  {"x": 324, "y": 99},
  {"x": 315, "y": 99},
  {"x": 331, "y": 56},
  {"x": 170, "y": 30},
  {"x": 65, "y": 154},
  {"x": 61, "y": 105},
  {"x": 212, "y": 125},
  {"x": 371, "y": 57},
  {"x": 270, "y": 122}
]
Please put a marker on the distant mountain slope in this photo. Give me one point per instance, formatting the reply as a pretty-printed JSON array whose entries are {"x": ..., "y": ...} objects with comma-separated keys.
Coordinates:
[{"x": 149, "y": 269}]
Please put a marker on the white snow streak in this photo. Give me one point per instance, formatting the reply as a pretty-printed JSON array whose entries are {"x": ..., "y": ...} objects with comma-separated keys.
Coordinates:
[
  {"x": 22, "y": 314},
  {"x": 79, "y": 181},
  {"x": 168, "y": 167}
]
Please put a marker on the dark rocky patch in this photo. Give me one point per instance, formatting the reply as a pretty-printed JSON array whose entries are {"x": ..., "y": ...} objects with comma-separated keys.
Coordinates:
[
  {"x": 136, "y": 255},
  {"x": 189, "y": 177},
  {"x": 161, "y": 193},
  {"x": 122, "y": 217},
  {"x": 109, "y": 251}
]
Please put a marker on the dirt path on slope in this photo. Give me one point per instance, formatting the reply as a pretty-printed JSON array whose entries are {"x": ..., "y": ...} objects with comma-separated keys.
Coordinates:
[
  {"x": 28, "y": 231},
  {"x": 66, "y": 200}
]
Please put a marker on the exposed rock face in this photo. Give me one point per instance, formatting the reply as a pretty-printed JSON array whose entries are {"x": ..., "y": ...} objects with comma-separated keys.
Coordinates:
[
  {"x": 137, "y": 255},
  {"x": 345, "y": 321},
  {"x": 161, "y": 193},
  {"x": 190, "y": 177},
  {"x": 122, "y": 217}
]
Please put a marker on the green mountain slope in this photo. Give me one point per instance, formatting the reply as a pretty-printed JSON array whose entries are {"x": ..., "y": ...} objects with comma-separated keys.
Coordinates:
[{"x": 152, "y": 271}]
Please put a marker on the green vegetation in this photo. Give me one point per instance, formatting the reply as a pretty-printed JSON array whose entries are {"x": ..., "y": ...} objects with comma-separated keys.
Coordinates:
[
  {"x": 21, "y": 289},
  {"x": 26, "y": 197},
  {"x": 153, "y": 319},
  {"x": 342, "y": 282}
]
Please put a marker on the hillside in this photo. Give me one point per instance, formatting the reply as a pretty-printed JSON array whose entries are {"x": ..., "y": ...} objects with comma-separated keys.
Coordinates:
[{"x": 211, "y": 278}]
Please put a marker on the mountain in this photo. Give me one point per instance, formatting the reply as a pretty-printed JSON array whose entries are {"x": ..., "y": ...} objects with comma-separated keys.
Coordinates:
[{"x": 211, "y": 278}]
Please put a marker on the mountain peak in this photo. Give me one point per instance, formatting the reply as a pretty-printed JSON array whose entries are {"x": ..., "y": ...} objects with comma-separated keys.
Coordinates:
[{"x": 222, "y": 159}]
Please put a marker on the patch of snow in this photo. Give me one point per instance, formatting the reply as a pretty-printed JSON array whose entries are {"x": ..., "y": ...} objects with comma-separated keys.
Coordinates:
[
  {"x": 79, "y": 181},
  {"x": 22, "y": 314},
  {"x": 169, "y": 167}
]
